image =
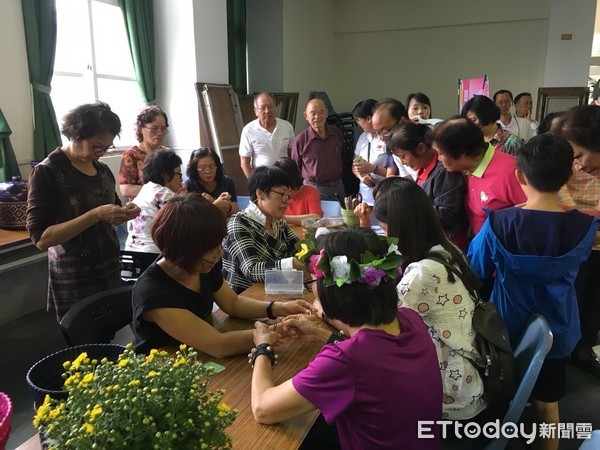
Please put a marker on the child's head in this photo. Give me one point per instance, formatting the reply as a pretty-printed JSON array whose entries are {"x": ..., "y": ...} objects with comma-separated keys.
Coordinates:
[
  {"x": 546, "y": 162},
  {"x": 357, "y": 303},
  {"x": 411, "y": 142},
  {"x": 405, "y": 211}
]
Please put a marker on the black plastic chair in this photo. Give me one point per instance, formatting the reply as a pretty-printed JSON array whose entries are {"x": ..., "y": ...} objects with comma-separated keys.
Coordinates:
[
  {"x": 133, "y": 264},
  {"x": 97, "y": 318}
]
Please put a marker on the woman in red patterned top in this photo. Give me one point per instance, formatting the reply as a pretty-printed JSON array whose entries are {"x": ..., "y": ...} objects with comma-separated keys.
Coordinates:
[{"x": 152, "y": 125}]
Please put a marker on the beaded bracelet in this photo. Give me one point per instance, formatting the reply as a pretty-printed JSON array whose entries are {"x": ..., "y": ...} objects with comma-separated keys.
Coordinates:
[
  {"x": 336, "y": 337},
  {"x": 263, "y": 349}
]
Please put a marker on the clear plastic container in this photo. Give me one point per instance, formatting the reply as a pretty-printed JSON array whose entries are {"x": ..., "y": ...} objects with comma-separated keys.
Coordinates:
[{"x": 284, "y": 281}]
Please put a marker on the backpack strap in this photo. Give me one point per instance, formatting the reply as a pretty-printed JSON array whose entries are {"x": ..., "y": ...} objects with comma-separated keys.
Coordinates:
[{"x": 451, "y": 268}]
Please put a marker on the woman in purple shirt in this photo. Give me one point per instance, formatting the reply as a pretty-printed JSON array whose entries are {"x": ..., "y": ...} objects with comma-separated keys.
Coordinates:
[{"x": 377, "y": 384}]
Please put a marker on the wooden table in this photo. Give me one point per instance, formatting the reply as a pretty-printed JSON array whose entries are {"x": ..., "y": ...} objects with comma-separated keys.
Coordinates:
[
  {"x": 236, "y": 379},
  {"x": 237, "y": 376},
  {"x": 9, "y": 238}
]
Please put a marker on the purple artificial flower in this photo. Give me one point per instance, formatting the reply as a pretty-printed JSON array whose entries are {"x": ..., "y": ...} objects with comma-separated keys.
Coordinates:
[{"x": 372, "y": 276}]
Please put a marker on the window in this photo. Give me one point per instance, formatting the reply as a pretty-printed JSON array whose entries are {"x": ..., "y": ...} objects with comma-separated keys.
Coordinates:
[{"x": 93, "y": 62}]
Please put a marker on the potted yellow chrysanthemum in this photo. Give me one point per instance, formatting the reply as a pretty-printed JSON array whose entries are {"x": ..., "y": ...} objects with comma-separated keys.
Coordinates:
[{"x": 139, "y": 402}]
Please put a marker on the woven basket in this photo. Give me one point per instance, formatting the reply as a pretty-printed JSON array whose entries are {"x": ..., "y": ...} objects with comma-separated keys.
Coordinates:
[
  {"x": 45, "y": 376},
  {"x": 5, "y": 413}
]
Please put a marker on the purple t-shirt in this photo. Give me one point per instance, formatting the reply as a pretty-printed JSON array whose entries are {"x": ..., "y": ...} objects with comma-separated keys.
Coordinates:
[{"x": 376, "y": 387}]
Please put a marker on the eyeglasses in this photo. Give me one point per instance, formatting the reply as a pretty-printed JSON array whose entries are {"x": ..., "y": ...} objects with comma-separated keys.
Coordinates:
[
  {"x": 101, "y": 149},
  {"x": 178, "y": 173},
  {"x": 215, "y": 259},
  {"x": 210, "y": 168},
  {"x": 284, "y": 196},
  {"x": 156, "y": 130},
  {"x": 265, "y": 107},
  {"x": 308, "y": 284}
]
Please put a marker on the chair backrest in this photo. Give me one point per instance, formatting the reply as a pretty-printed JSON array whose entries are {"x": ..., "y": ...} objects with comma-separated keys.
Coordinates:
[
  {"x": 243, "y": 201},
  {"x": 133, "y": 264},
  {"x": 331, "y": 208},
  {"x": 96, "y": 319},
  {"x": 534, "y": 345}
]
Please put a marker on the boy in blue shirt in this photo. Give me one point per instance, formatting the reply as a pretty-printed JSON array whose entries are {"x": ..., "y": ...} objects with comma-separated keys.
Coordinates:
[{"x": 536, "y": 250}]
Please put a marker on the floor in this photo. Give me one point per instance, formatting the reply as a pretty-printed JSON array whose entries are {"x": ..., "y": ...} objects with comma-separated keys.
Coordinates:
[{"x": 26, "y": 340}]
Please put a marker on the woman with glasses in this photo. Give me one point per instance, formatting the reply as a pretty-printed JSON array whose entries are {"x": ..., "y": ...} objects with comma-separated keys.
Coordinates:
[
  {"x": 72, "y": 208},
  {"x": 259, "y": 238},
  {"x": 206, "y": 176},
  {"x": 162, "y": 180},
  {"x": 174, "y": 296},
  {"x": 305, "y": 201},
  {"x": 151, "y": 127}
]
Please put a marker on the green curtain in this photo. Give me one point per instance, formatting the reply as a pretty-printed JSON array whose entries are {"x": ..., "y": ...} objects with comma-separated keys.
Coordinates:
[
  {"x": 39, "y": 20},
  {"x": 8, "y": 163},
  {"x": 139, "y": 23},
  {"x": 236, "y": 45}
]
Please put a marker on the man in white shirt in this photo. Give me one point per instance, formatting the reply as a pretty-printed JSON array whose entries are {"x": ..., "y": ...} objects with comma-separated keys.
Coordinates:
[
  {"x": 523, "y": 108},
  {"x": 516, "y": 125},
  {"x": 265, "y": 139}
]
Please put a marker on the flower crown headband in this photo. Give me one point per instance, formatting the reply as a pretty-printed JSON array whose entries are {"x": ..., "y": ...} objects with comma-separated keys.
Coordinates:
[{"x": 337, "y": 271}]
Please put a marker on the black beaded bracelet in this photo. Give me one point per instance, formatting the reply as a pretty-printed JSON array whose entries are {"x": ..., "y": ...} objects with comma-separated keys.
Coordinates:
[
  {"x": 270, "y": 310},
  {"x": 263, "y": 349},
  {"x": 336, "y": 337}
]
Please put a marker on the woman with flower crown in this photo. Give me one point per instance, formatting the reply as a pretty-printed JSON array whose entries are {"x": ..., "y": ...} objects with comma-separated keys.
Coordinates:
[
  {"x": 405, "y": 211},
  {"x": 359, "y": 383}
]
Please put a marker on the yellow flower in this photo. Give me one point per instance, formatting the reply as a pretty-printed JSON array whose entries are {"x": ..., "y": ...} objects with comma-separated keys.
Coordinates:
[
  {"x": 96, "y": 411},
  {"x": 54, "y": 413},
  {"x": 150, "y": 357},
  {"x": 152, "y": 374},
  {"x": 223, "y": 407},
  {"x": 182, "y": 347},
  {"x": 67, "y": 364},
  {"x": 80, "y": 359},
  {"x": 134, "y": 383},
  {"x": 42, "y": 411},
  {"x": 153, "y": 351},
  {"x": 88, "y": 378},
  {"x": 302, "y": 252},
  {"x": 179, "y": 362},
  {"x": 123, "y": 362},
  {"x": 88, "y": 428}
]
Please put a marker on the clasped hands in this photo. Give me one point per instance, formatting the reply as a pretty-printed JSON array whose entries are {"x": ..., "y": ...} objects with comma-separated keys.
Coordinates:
[
  {"x": 223, "y": 202},
  {"x": 304, "y": 325},
  {"x": 115, "y": 214}
]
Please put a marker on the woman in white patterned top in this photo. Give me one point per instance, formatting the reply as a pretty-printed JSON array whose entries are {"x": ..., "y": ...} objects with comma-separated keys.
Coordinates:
[
  {"x": 162, "y": 180},
  {"x": 427, "y": 287}
]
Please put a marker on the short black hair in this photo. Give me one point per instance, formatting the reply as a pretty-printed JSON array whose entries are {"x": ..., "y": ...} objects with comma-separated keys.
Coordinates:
[
  {"x": 522, "y": 94},
  {"x": 192, "y": 167},
  {"x": 394, "y": 107},
  {"x": 291, "y": 168},
  {"x": 265, "y": 178},
  {"x": 546, "y": 161},
  {"x": 158, "y": 163},
  {"x": 357, "y": 304},
  {"x": 581, "y": 126},
  {"x": 420, "y": 97},
  {"x": 88, "y": 120},
  {"x": 407, "y": 136},
  {"x": 546, "y": 123},
  {"x": 364, "y": 109},
  {"x": 502, "y": 91},
  {"x": 484, "y": 108},
  {"x": 457, "y": 136}
]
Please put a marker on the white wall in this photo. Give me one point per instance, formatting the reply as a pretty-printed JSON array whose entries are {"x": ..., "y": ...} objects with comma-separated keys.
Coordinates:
[
  {"x": 15, "y": 98},
  {"x": 389, "y": 48},
  {"x": 567, "y": 62}
]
